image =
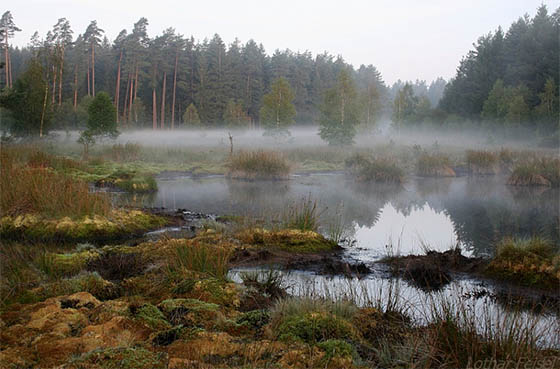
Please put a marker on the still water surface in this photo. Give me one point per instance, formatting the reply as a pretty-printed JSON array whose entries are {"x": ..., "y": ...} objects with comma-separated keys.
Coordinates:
[{"x": 473, "y": 213}]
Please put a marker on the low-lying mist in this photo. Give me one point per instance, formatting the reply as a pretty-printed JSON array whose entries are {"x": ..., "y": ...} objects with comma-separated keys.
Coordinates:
[{"x": 308, "y": 136}]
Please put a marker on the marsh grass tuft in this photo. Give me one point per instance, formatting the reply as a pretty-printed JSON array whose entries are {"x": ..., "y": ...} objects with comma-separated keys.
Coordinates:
[
  {"x": 482, "y": 162},
  {"x": 368, "y": 169},
  {"x": 303, "y": 215},
  {"x": 200, "y": 257},
  {"x": 536, "y": 172},
  {"x": 434, "y": 165},
  {"x": 125, "y": 153},
  {"x": 258, "y": 165}
]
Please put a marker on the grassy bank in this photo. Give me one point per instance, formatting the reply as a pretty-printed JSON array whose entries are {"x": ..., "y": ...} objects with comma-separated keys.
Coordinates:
[{"x": 41, "y": 201}]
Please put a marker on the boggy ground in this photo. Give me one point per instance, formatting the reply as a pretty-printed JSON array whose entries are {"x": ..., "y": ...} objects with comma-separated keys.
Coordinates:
[
  {"x": 169, "y": 304},
  {"x": 525, "y": 274}
]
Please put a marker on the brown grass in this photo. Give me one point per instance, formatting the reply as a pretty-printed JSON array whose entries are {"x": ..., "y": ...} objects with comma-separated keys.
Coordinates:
[
  {"x": 536, "y": 172},
  {"x": 482, "y": 162},
  {"x": 39, "y": 190},
  {"x": 434, "y": 165},
  {"x": 258, "y": 165}
]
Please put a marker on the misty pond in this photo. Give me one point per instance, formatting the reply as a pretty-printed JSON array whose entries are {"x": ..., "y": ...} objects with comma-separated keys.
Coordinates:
[{"x": 426, "y": 213}]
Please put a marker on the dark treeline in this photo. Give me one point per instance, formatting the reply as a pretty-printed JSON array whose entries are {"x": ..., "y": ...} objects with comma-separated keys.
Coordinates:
[
  {"x": 154, "y": 81},
  {"x": 508, "y": 80}
]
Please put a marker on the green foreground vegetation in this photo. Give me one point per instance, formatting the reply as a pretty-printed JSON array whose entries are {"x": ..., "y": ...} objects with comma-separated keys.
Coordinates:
[{"x": 170, "y": 303}]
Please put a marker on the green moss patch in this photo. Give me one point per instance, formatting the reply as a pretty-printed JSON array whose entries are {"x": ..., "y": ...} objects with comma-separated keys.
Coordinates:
[
  {"x": 189, "y": 312},
  {"x": 118, "y": 225},
  {"x": 121, "y": 358},
  {"x": 292, "y": 240},
  {"x": 150, "y": 315}
]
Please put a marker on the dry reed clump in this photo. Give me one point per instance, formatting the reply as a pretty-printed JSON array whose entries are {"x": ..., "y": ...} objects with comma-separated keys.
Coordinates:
[
  {"x": 125, "y": 153},
  {"x": 536, "y": 172},
  {"x": 434, "y": 165},
  {"x": 482, "y": 162},
  {"x": 368, "y": 169},
  {"x": 38, "y": 190},
  {"x": 258, "y": 165}
]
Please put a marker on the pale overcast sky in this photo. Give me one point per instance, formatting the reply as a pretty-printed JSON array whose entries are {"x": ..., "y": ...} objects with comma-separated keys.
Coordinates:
[{"x": 404, "y": 39}]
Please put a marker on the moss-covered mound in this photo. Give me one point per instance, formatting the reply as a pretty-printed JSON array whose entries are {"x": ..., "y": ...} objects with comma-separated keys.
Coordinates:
[
  {"x": 292, "y": 240},
  {"x": 533, "y": 262},
  {"x": 128, "y": 180},
  {"x": 118, "y": 224}
]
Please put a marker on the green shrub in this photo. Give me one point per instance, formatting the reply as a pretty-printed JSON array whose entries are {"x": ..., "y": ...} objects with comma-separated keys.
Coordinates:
[{"x": 337, "y": 348}]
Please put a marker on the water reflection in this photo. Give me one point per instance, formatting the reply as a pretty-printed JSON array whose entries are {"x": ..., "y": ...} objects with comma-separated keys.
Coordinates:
[
  {"x": 488, "y": 314},
  {"x": 440, "y": 213},
  {"x": 395, "y": 232}
]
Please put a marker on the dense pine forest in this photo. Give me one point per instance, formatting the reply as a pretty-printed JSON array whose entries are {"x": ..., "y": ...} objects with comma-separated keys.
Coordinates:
[{"x": 167, "y": 81}]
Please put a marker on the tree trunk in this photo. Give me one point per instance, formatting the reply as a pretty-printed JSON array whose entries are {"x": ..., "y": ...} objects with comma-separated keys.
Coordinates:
[
  {"x": 174, "y": 90},
  {"x": 88, "y": 84},
  {"x": 163, "y": 102},
  {"x": 60, "y": 79},
  {"x": 10, "y": 65},
  {"x": 55, "y": 73},
  {"x": 7, "y": 62},
  {"x": 154, "y": 109},
  {"x": 93, "y": 69},
  {"x": 125, "y": 111},
  {"x": 75, "y": 87},
  {"x": 118, "y": 87},
  {"x": 130, "y": 101},
  {"x": 44, "y": 108},
  {"x": 135, "y": 94}
]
